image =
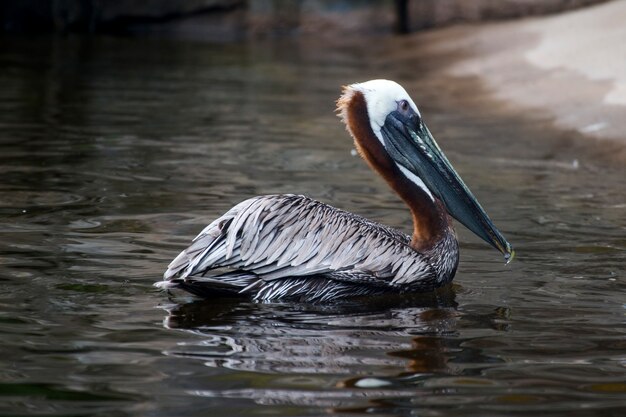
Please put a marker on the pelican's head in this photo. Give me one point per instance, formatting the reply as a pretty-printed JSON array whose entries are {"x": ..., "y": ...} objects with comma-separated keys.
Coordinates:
[{"x": 386, "y": 108}]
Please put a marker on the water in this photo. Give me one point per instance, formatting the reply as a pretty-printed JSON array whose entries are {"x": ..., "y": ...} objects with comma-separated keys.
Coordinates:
[{"x": 116, "y": 152}]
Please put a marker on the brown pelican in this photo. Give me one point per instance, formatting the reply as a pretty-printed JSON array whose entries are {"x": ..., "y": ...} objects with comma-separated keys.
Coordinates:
[{"x": 292, "y": 247}]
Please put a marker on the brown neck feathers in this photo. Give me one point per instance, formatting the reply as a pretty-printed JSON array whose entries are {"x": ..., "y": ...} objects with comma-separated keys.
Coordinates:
[{"x": 430, "y": 219}]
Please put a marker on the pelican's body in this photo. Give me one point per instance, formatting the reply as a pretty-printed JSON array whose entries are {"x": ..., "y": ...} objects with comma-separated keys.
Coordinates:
[{"x": 292, "y": 247}]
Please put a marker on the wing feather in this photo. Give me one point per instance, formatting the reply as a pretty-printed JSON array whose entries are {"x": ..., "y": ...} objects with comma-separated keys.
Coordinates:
[{"x": 285, "y": 236}]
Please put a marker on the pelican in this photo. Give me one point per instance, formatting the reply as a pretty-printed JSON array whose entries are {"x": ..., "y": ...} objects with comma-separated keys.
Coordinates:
[{"x": 290, "y": 247}]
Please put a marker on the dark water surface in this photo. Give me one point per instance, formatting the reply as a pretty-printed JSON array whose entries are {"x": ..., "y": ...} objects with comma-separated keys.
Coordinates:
[{"x": 114, "y": 153}]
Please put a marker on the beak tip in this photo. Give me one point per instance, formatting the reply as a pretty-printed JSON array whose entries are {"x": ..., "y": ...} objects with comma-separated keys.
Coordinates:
[{"x": 509, "y": 254}]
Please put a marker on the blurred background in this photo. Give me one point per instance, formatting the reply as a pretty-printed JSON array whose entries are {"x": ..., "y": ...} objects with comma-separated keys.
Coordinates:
[
  {"x": 127, "y": 126},
  {"x": 553, "y": 64},
  {"x": 221, "y": 20}
]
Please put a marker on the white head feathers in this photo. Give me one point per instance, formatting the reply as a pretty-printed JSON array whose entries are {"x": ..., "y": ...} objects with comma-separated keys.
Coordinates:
[{"x": 382, "y": 97}]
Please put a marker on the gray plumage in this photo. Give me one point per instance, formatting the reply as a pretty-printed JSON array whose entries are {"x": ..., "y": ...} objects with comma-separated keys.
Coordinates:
[{"x": 293, "y": 247}]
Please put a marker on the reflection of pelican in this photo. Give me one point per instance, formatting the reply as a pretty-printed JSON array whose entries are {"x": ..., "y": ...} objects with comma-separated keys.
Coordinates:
[
  {"x": 287, "y": 246},
  {"x": 349, "y": 339}
]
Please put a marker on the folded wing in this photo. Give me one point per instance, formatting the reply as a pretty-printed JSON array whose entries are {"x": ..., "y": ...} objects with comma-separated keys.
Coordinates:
[{"x": 268, "y": 244}]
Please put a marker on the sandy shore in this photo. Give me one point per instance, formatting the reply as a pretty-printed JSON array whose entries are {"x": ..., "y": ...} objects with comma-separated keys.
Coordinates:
[{"x": 569, "y": 68}]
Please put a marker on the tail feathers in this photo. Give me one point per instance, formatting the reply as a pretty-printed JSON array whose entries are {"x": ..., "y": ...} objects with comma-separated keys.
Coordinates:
[
  {"x": 201, "y": 245},
  {"x": 232, "y": 284},
  {"x": 207, "y": 291}
]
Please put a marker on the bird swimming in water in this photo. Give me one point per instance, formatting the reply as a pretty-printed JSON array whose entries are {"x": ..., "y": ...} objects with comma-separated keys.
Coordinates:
[{"x": 290, "y": 247}]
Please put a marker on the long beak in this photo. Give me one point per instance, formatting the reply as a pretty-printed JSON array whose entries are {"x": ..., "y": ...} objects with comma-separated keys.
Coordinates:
[{"x": 410, "y": 144}]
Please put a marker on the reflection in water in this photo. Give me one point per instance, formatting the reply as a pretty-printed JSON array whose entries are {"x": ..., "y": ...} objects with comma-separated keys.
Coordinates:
[
  {"x": 115, "y": 152},
  {"x": 403, "y": 338},
  {"x": 311, "y": 339}
]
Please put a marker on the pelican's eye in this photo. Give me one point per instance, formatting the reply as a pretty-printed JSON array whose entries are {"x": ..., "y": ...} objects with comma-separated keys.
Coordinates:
[{"x": 403, "y": 106}]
